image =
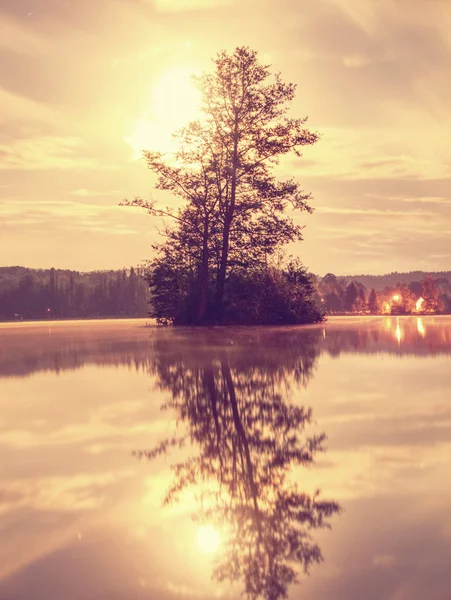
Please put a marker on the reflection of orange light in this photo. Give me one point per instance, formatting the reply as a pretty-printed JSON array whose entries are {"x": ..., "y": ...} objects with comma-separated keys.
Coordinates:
[
  {"x": 420, "y": 326},
  {"x": 398, "y": 332},
  {"x": 419, "y": 304}
]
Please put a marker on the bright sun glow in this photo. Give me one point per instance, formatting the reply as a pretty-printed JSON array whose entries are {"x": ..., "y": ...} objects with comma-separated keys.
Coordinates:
[
  {"x": 208, "y": 539},
  {"x": 174, "y": 102}
]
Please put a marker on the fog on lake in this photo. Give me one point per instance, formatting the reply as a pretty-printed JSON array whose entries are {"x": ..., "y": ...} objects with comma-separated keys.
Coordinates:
[{"x": 142, "y": 462}]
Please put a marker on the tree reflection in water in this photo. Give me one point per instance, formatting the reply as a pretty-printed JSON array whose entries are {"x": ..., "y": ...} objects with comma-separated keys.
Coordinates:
[{"x": 232, "y": 398}]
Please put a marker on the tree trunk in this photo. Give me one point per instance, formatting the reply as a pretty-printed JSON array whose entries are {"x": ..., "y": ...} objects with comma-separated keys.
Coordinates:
[
  {"x": 228, "y": 218},
  {"x": 203, "y": 277},
  {"x": 220, "y": 283}
]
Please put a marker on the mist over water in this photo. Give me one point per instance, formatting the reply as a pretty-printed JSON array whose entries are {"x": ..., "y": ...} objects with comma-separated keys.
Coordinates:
[{"x": 242, "y": 426}]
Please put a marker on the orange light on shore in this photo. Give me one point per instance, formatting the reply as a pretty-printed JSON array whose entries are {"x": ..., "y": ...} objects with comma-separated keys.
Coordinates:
[
  {"x": 396, "y": 298},
  {"x": 419, "y": 304}
]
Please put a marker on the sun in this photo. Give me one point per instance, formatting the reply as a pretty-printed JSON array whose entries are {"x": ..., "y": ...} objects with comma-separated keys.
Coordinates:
[
  {"x": 208, "y": 539},
  {"x": 174, "y": 102}
]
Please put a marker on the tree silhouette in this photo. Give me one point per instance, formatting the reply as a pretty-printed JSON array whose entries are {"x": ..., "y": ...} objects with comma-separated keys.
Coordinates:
[
  {"x": 232, "y": 400},
  {"x": 430, "y": 294},
  {"x": 373, "y": 302},
  {"x": 234, "y": 212}
]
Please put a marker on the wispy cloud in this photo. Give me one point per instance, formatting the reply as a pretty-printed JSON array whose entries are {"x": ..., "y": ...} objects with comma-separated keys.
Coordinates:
[
  {"x": 375, "y": 212},
  {"x": 412, "y": 199},
  {"x": 18, "y": 38},
  {"x": 188, "y": 5},
  {"x": 92, "y": 193},
  {"x": 46, "y": 215},
  {"x": 46, "y": 153},
  {"x": 74, "y": 493}
]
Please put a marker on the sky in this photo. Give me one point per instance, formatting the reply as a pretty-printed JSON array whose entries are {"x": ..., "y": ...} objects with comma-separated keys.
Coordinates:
[{"x": 85, "y": 85}]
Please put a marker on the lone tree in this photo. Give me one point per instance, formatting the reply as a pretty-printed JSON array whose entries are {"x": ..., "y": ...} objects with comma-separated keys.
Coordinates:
[{"x": 233, "y": 217}]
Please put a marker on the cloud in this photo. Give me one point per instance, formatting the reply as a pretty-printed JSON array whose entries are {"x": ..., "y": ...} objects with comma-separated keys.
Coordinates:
[
  {"x": 91, "y": 193},
  {"x": 72, "y": 493},
  {"x": 15, "y": 37},
  {"x": 49, "y": 208},
  {"x": 46, "y": 152},
  {"x": 188, "y": 5},
  {"x": 40, "y": 216},
  {"x": 440, "y": 256},
  {"x": 356, "y": 60},
  {"x": 413, "y": 200},
  {"x": 374, "y": 212},
  {"x": 21, "y": 116}
]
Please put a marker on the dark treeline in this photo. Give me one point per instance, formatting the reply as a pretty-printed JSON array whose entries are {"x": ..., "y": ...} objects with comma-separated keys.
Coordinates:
[
  {"x": 379, "y": 282},
  {"x": 55, "y": 293}
]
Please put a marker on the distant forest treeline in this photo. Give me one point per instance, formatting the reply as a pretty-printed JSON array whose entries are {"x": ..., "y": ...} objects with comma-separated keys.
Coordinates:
[
  {"x": 55, "y": 293},
  {"x": 379, "y": 282}
]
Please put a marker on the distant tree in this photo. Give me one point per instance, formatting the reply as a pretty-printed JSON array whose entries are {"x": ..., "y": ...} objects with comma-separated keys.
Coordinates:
[
  {"x": 331, "y": 284},
  {"x": 445, "y": 303},
  {"x": 332, "y": 302},
  {"x": 27, "y": 295},
  {"x": 416, "y": 287},
  {"x": 373, "y": 302},
  {"x": 332, "y": 289},
  {"x": 362, "y": 300},
  {"x": 351, "y": 295},
  {"x": 430, "y": 294},
  {"x": 408, "y": 298}
]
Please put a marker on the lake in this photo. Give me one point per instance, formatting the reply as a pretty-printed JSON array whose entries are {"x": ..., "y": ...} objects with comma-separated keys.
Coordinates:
[{"x": 141, "y": 462}]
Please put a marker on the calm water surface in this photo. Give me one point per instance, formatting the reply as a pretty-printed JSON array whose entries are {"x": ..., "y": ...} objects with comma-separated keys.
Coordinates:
[{"x": 224, "y": 419}]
